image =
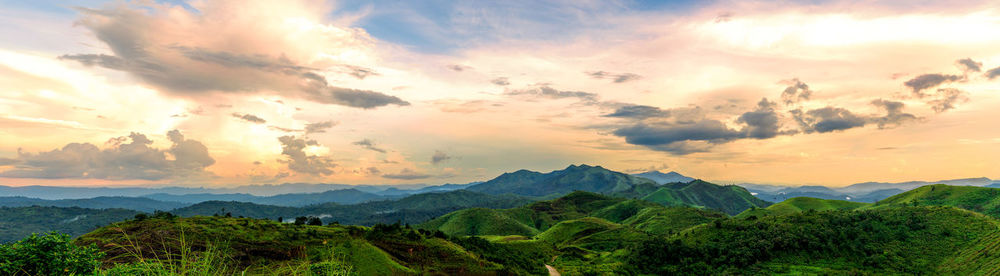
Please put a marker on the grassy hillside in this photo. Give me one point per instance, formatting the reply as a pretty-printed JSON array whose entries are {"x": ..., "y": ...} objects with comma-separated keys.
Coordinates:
[
  {"x": 19, "y": 222},
  {"x": 478, "y": 222},
  {"x": 261, "y": 246},
  {"x": 908, "y": 240},
  {"x": 801, "y": 204},
  {"x": 728, "y": 199},
  {"x": 978, "y": 199}
]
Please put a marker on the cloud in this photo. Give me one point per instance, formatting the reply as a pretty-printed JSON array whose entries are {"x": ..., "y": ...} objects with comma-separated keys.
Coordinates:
[
  {"x": 210, "y": 51},
  {"x": 372, "y": 171},
  {"x": 617, "y": 78},
  {"x": 501, "y": 81},
  {"x": 319, "y": 127},
  {"x": 926, "y": 81},
  {"x": 795, "y": 92},
  {"x": 297, "y": 159},
  {"x": 639, "y": 112},
  {"x": 406, "y": 174},
  {"x": 894, "y": 114},
  {"x": 671, "y": 137},
  {"x": 9, "y": 161},
  {"x": 458, "y": 68},
  {"x": 551, "y": 93},
  {"x": 993, "y": 73},
  {"x": 126, "y": 158},
  {"x": 946, "y": 99},
  {"x": 761, "y": 123},
  {"x": 439, "y": 156},
  {"x": 969, "y": 65},
  {"x": 360, "y": 72},
  {"x": 828, "y": 119},
  {"x": 249, "y": 118},
  {"x": 282, "y": 129},
  {"x": 369, "y": 144}
]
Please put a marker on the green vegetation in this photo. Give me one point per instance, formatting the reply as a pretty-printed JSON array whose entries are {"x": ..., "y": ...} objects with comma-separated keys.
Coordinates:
[
  {"x": 908, "y": 240},
  {"x": 19, "y": 222},
  {"x": 978, "y": 199},
  {"x": 574, "y": 178},
  {"x": 730, "y": 199},
  {"x": 801, "y": 204},
  {"x": 47, "y": 254}
]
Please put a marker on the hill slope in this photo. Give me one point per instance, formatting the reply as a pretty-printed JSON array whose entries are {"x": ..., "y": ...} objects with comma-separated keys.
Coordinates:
[
  {"x": 729, "y": 199},
  {"x": 664, "y": 178},
  {"x": 19, "y": 222},
  {"x": 801, "y": 204},
  {"x": 131, "y": 203},
  {"x": 978, "y": 199}
]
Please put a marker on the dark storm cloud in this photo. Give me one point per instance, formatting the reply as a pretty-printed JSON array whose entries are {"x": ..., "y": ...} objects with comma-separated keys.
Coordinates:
[
  {"x": 639, "y": 112},
  {"x": 439, "y": 156},
  {"x": 192, "y": 70},
  {"x": 319, "y": 127},
  {"x": 926, "y": 81},
  {"x": 894, "y": 114},
  {"x": 501, "y": 81},
  {"x": 617, "y": 78},
  {"x": 297, "y": 159},
  {"x": 795, "y": 92},
  {"x": 969, "y": 65},
  {"x": 369, "y": 144},
  {"x": 127, "y": 158},
  {"x": 661, "y": 134},
  {"x": 993, "y": 73},
  {"x": 249, "y": 118},
  {"x": 406, "y": 174}
]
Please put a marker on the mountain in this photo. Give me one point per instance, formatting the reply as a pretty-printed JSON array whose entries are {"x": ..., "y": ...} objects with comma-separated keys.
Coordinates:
[
  {"x": 801, "y": 204},
  {"x": 573, "y": 178},
  {"x": 132, "y": 203},
  {"x": 19, "y": 222},
  {"x": 978, "y": 199},
  {"x": 411, "y": 209},
  {"x": 59, "y": 192},
  {"x": 664, "y": 178},
  {"x": 728, "y": 199},
  {"x": 344, "y": 196},
  {"x": 874, "y": 186}
]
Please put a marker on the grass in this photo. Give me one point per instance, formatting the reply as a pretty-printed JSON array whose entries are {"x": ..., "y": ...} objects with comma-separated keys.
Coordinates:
[
  {"x": 978, "y": 199},
  {"x": 801, "y": 204}
]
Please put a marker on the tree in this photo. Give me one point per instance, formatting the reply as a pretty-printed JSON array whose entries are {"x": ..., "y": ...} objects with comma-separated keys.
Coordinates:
[
  {"x": 315, "y": 221},
  {"x": 48, "y": 254}
]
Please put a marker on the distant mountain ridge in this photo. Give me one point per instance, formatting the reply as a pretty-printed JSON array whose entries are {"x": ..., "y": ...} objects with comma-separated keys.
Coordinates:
[
  {"x": 560, "y": 182},
  {"x": 861, "y": 192},
  {"x": 664, "y": 178},
  {"x": 65, "y": 192}
]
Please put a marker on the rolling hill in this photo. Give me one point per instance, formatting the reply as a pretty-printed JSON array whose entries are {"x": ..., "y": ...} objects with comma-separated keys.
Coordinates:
[
  {"x": 344, "y": 196},
  {"x": 729, "y": 199},
  {"x": 801, "y": 204},
  {"x": 19, "y": 222},
  {"x": 978, "y": 199}
]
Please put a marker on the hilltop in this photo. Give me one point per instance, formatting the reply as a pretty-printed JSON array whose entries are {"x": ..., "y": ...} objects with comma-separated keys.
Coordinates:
[
  {"x": 801, "y": 204},
  {"x": 664, "y": 178},
  {"x": 979, "y": 199},
  {"x": 574, "y": 178}
]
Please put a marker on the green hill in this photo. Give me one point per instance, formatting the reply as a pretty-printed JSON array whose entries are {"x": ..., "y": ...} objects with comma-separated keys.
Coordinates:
[
  {"x": 801, "y": 204},
  {"x": 478, "y": 222},
  {"x": 261, "y": 246},
  {"x": 19, "y": 222},
  {"x": 104, "y": 202},
  {"x": 574, "y": 178},
  {"x": 979, "y": 199},
  {"x": 905, "y": 240},
  {"x": 728, "y": 199},
  {"x": 567, "y": 231}
]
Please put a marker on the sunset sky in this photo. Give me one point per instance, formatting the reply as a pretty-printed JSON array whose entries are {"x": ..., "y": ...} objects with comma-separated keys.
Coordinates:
[{"x": 223, "y": 93}]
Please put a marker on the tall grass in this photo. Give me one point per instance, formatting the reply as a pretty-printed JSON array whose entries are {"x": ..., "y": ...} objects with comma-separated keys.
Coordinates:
[{"x": 215, "y": 259}]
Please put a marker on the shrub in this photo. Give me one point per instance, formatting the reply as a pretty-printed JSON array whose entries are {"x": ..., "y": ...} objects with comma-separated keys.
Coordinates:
[{"x": 47, "y": 254}]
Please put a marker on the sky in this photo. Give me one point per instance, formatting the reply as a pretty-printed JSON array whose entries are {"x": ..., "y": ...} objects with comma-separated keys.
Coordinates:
[{"x": 225, "y": 93}]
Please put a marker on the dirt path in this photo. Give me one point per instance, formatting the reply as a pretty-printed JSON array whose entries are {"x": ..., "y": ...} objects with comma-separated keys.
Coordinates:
[{"x": 552, "y": 271}]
